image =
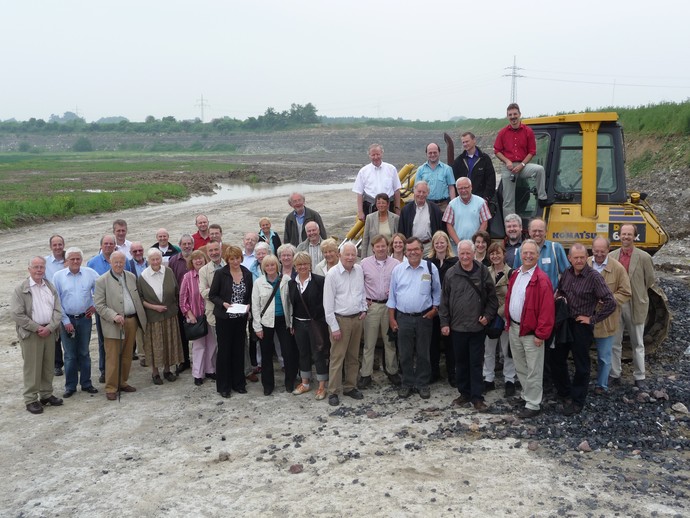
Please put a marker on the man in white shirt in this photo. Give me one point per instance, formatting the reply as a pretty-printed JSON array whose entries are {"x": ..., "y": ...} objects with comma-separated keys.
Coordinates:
[
  {"x": 375, "y": 178},
  {"x": 345, "y": 305}
]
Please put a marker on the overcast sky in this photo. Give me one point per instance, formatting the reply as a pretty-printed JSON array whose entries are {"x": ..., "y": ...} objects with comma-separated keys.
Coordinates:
[{"x": 417, "y": 60}]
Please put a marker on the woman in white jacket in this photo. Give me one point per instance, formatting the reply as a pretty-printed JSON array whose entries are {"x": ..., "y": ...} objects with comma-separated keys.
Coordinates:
[{"x": 270, "y": 312}]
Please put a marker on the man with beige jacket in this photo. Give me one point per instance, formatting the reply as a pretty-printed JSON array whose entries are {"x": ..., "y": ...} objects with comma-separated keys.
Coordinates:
[{"x": 640, "y": 268}]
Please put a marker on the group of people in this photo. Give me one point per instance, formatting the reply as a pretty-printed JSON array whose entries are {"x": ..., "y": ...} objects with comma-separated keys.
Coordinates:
[{"x": 429, "y": 280}]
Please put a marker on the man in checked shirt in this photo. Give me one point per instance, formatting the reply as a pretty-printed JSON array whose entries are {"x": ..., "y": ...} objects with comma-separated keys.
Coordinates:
[{"x": 589, "y": 301}]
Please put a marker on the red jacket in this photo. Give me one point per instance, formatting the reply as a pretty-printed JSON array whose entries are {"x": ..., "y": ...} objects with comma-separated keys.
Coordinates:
[{"x": 539, "y": 311}]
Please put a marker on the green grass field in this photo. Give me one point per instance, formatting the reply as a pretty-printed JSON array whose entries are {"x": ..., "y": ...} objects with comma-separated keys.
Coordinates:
[{"x": 39, "y": 187}]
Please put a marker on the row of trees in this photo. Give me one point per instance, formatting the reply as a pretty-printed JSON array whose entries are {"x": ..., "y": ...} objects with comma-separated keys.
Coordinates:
[{"x": 297, "y": 116}]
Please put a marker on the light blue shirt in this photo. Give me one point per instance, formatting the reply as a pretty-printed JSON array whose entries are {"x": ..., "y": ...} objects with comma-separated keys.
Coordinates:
[
  {"x": 552, "y": 260},
  {"x": 98, "y": 263},
  {"x": 439, "y": 179},
  {"x": 52, "y": 266},
  {"x": 75, "y": 290},
  {"x": 414, "y": 290}
]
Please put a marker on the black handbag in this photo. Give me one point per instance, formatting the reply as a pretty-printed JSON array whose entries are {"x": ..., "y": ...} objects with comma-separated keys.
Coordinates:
[
  {"x": 196, "y": 331},
  {"x": 495, "y": 327}
]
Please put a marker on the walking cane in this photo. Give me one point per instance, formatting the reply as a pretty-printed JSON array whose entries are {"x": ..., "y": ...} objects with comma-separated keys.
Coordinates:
[{"x": 119, "y": 365}]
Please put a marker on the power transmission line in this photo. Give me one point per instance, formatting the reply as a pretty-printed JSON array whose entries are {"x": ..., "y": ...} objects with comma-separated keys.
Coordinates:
[
  {"x": 514, "y": 75},
  {"x": 202, "y": 104}
]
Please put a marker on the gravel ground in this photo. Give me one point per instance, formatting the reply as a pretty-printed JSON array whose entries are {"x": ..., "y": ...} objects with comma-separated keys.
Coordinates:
[{"x": 179, "y": 449}]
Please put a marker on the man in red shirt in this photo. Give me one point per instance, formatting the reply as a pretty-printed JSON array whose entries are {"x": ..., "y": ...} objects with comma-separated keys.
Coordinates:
[
  {"x": 516, "y": 146},
  {"x": 201, "y": 237}
]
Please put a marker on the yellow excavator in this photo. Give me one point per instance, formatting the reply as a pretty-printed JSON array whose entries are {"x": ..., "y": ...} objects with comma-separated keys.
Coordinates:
[{"x": 583, "y": 155}]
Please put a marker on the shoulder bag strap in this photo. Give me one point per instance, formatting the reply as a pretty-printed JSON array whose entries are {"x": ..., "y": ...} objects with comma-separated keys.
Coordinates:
[{"x": 273, "y": 294}]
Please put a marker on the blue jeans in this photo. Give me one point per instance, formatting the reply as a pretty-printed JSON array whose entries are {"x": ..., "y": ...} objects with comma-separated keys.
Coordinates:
[
  {"x": 604, "y": 347},
  {"x": 414, "y": 339},
  {"x": 77, "y": 357}
]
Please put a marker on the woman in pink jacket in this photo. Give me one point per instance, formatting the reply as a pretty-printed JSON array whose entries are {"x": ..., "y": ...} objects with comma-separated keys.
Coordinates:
[{"x": 192, "y": 306}]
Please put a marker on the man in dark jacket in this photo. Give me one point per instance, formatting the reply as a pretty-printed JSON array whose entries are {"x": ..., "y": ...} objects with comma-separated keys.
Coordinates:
[
  {"x": 477, "y": 166},
  {"x": 468, "y": 304},
  {"x": 429, "y": 214},
  {"x": 295, "y": 222},
  {"x": 529, "y": 315}
]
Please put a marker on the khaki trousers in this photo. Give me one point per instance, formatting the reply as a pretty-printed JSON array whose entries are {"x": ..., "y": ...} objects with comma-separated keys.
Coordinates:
[
  {"x": 529, "y": 364},
  {"x": 112, "y": 356},
  {"x": 636, "y": 333},
  {"x": 377, "y": 322},
  {"x": 39, "y": 364},
  {"x": 345, "y": 352}
]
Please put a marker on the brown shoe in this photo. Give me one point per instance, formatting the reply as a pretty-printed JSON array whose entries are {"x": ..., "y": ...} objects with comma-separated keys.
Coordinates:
[
  {"x": 35, "y": 407},
  {"x": 460, "y": 401},
  {"x": 528, "y": 413},
  {"x": 252, "y": 377},
  {"x": 111, "y": 396},
  {"x": 479, "y": 405},
  {"x": 128, "y": 388}
]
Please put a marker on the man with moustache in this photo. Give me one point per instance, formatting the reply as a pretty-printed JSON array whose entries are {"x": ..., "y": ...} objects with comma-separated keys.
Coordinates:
[
  {"x": 516, "y": 146},
  {"x": 413, "y": 300},
  {"x": 514, "y": 237}
]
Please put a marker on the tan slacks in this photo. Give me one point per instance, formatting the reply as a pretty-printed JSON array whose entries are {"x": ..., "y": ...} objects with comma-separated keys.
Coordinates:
[
  {"x": 112, "y": 356},
  {"x": 345, "y": 352}
]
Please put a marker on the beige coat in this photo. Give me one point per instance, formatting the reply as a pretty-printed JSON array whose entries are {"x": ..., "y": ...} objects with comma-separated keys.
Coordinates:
[
  {"x": 371, "y": 228},
  {"x": 501, "y": 287},
  {"x": 641, "y": 273},
  {"x": 21, "y": 307},
  {"x": 109, "y": 302},
  {"x": 619, "y": 283}
]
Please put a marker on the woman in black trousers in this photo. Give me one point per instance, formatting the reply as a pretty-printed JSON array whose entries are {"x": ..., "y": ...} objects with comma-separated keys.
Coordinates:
[{"x": 231, "y": 285}]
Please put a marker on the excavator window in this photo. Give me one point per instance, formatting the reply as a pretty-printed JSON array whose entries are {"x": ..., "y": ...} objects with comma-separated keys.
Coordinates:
[{"x": 569, "y": 176}]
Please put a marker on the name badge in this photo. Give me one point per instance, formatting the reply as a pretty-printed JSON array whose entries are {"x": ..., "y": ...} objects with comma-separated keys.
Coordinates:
[
  {"x": 546, "y": 260},
  {"x": 426, "y": 277}
]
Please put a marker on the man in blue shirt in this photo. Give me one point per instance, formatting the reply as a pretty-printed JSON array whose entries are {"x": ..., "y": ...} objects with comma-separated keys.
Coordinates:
[
  {"x": 552, "y": 259},
  {"x": 101, "y": 263},
  {"x": 54, "y": 263},
  {"x": 438, "y": 176},
  {"x": 75, "y": 286},
  {"x": 413, "y": 299}
]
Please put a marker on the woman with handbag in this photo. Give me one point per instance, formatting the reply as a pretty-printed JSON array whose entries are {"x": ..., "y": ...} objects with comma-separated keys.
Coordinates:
[
  {"x": 271, "y": 316},
  {"x": 309, "y": 325},
  {"x": 159, "y": 294},
  {"x": 231, "y": 286},
  {"x": 495, "y": 331},
  {"x": 192, "y": 306}
]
